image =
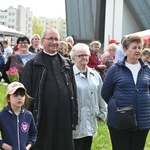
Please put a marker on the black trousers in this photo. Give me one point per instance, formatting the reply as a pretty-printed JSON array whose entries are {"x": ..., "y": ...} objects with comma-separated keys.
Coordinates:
[
  {"x": 83, "y": 143},
  {"x": 128, "y": 140}
]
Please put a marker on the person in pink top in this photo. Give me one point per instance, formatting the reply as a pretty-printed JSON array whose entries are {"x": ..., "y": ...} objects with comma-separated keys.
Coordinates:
[{"x": 109, "y": 56}]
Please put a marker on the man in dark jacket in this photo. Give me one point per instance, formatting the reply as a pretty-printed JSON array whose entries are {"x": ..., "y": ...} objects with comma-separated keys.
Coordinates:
[{"x": 49, "y": 79}]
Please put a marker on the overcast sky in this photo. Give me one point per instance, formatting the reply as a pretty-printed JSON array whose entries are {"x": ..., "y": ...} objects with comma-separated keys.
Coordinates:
[{"x": 40, "y": 8}]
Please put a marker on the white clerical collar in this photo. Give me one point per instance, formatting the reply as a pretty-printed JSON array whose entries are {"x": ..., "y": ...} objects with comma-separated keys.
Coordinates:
[{"x": 49, "y": 53}]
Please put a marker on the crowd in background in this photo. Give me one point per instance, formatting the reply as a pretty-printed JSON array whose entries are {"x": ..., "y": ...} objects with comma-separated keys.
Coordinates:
[
  {"x": 99, "y": 60},
  {"x": 73, "y": 86}
]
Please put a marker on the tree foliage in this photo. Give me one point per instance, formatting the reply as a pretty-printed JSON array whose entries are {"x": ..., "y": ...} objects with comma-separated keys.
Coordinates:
[{"x": 37, "y": 27}]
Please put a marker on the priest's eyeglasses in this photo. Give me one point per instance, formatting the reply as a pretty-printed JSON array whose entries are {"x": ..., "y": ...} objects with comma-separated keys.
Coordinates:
[{"x": 51, "y": 39}]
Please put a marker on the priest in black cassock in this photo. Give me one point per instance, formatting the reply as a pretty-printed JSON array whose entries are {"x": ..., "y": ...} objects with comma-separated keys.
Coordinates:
[{"x": 49, "y": 79}]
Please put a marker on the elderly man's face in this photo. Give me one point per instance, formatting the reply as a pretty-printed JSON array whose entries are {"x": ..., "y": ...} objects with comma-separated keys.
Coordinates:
[{"x": 51, "y": 41}]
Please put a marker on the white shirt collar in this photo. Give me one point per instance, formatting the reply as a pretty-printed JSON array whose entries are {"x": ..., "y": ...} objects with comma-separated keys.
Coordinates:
[
  {"x": 49, "y": 53},
  {"x": 77, "y": 71}
]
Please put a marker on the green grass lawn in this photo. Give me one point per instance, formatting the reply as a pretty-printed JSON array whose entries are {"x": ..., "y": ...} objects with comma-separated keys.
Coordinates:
[
  {"x": 2, "y": 95},
  {"x": 100, "y": 142}
]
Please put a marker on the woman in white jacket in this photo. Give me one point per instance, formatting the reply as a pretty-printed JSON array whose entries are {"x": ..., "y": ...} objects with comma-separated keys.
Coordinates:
[{"x": 91, "y": 106}]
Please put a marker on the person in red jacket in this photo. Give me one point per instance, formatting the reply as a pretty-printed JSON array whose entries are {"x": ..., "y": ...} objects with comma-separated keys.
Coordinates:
[{"x": 95, "y": 58}]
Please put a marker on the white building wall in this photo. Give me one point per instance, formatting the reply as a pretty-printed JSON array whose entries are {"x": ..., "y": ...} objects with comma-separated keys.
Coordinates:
[
  {"x": 113, "y": 20},
  {"x": 3, "y": 17},
  {"x": 25, "y": 17},
  {"x": 118, "y": 22},
  {"x": 29, "y": 22},
  {"x": 20, "y": 19},
  {"x": 12, "y": 18},
  {"x": 129, "y": 24}
]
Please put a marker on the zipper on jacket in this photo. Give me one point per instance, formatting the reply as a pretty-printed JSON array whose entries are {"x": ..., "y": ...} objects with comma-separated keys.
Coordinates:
[
  {"x": 18, "y": 135},
  {"x": 70, "y": 90},
  {"x": 39, "y": 93},
  {"x": 137, "y": 90}
]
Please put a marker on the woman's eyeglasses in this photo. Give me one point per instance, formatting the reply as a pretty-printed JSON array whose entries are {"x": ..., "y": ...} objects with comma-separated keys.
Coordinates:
[
  {"x": 23, "y": 42},
  {"x": 82, "y": 55}
]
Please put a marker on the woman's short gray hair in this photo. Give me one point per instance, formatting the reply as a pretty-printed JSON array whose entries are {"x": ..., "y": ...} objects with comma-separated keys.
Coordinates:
[
  {"x": 78, "y": 47},
  {"x": 130, "y": 39},
  {"x": 93, "y": 43}
]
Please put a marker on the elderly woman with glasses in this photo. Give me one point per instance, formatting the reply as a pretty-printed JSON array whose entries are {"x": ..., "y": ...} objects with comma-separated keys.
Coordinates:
[
  {"x": 91, "y": 106},
  {"x": 18, "y": 60}
]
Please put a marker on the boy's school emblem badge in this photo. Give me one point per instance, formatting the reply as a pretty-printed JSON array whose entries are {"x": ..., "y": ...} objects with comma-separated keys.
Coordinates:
[{"x": 24, "y": 127}]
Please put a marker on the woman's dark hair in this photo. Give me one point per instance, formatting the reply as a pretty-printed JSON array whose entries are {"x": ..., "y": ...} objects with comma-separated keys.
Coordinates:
[{"x": 23, "y": 38}]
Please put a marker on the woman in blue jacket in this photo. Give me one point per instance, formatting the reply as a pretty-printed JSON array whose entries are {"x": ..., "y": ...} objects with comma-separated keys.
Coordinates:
[
  {"x": 17, "y": 125},
  {"x": 128, "y": 83}
]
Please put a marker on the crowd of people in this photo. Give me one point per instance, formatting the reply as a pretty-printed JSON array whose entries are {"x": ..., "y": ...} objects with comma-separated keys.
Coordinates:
[{"x": 71, "y": 87}]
